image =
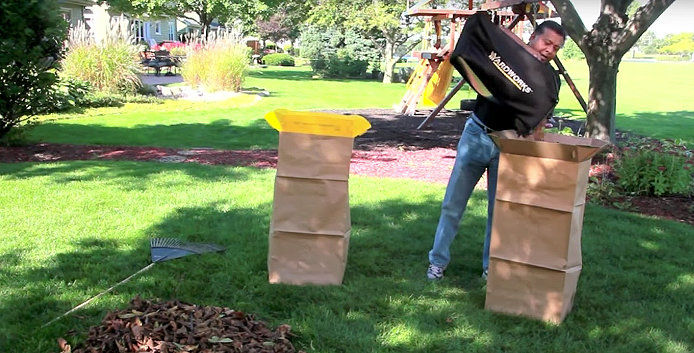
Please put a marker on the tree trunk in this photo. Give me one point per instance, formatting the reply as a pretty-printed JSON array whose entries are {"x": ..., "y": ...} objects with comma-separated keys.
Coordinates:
[
  {"x": 389, "y": 62},
  {"x": 602, "y": 98},
  {"x": 611, "y": 36},
  {"x": 205, "y": 23}
]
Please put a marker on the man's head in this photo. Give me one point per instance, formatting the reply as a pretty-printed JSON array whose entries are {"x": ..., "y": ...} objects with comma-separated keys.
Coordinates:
[{"x": 547, "y": 39}]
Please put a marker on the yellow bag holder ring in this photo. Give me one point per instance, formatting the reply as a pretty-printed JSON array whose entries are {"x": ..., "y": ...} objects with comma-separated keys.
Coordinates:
[{"x": 317, "y": 123}]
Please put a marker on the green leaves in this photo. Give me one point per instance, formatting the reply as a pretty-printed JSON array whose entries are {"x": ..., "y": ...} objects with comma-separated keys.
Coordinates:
[
  {"x": 647, "y": 172},
  {"x": 31, "y": 40},
  {"x": 224, "y": 11},
  {"x": 678, "y": 44}
]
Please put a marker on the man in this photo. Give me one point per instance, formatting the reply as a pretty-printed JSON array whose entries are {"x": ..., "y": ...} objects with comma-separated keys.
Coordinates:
[{"x": 476, "y": 153}]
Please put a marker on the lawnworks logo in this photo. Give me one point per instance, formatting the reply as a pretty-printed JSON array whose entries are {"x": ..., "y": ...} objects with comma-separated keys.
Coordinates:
[{"x": 510, "y": 74}]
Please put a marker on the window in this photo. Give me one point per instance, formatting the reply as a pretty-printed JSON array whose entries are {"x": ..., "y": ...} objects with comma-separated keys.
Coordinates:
[
  {"x": 172, "y": 30},
  {"x": 157, "y": 27},
  {"x": 139, "y": 30}
]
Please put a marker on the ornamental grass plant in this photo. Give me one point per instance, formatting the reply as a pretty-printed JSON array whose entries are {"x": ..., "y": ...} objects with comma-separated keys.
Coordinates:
[
  {"x": 219, "y": 64},
  {"x": 109, "y": 63}
]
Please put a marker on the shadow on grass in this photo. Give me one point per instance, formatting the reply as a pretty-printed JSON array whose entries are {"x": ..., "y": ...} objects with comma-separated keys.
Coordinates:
[
  {"x": 125, "y": 175},
  {"x": 37, "y": 295},
  {"x": 633, "y": 295},
  {"x": 570, "y": 113},
  {"x": 298, "y": 75},
  {"x": 221, "y": 133},
  {"x": 287, "y": 74},
  {"x": 677, "y": 125}
]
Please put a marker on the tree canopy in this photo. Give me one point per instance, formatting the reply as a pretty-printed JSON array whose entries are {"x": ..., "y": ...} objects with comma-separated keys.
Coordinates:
[
  {"x": 380, "y": 21},
  {"x": 205, "y": 11},
  {"x": 682, "y": 43},
  {"x": 604, "y": 45},
  {"x": 283, "y": 21}
]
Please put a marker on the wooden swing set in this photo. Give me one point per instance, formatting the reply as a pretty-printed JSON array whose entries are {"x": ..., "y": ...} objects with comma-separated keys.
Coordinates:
[{"x": 433, "y": 75}]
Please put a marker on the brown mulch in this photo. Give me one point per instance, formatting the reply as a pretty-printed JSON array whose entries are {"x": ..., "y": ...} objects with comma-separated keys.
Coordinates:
[
  {"x": 175, "y": 326},
  {"x": 392, "y": 148},
  {"x": 679, "y": 208}
]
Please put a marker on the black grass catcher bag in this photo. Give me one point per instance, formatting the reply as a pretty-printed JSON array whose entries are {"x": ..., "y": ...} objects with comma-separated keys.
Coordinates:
[{"x": 503, "y": 69}]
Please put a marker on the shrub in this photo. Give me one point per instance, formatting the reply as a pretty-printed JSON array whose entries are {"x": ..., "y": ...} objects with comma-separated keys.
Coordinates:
[
  {"x": 103, "y": 99},
  {"x": 111, "y": 65},
  {"x": 147, "y": 90},
  {"x": 18, "y": 135},
  {"x": 299, "y": 61},
  {"x": 169, "y": 46},
  {"x": 565, "y": 131},
  {"x": 278, "y": 59},
  {"x": 31, "y": 39},
  {"x": 603, "y": 191},
  {"x": 178, "y": 51},
  {"x": 345, "y": 64},
  {"x": 571, "y": 50},
  {"x": 287, "y": 48},
  {"x": 220, "y": 64},
  {"x": 647, "y": 172},
  {"x": 334, "y": 54},
  {"x": 68, "y": 93}
]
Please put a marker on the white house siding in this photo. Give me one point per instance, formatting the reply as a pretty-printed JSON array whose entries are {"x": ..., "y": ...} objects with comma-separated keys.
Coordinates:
[
  {"x": 73, "y": 10},
  {"x": 167, "y": 29},
  {"x": 143, "y": 27}
]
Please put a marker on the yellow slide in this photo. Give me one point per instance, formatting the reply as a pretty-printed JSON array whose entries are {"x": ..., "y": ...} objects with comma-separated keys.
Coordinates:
[{"x": 438, "y": 85}]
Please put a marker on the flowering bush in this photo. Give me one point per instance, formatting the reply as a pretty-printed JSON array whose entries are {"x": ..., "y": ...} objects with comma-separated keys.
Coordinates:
[
  {"x": 641, "y": 166},
  {"x": 646, "y": 172},
  {"x": 655, "y": 167},
  {"x": 168, "y": 46}
]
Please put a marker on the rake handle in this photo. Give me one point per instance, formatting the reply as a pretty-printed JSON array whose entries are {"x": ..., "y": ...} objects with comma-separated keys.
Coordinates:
[{"x": 100, "y": 294}]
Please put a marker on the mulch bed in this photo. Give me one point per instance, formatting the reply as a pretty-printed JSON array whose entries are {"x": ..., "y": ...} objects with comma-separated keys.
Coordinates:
[
  {"x": 175, "y": 326},
  {"x": 392, "y": 148}
]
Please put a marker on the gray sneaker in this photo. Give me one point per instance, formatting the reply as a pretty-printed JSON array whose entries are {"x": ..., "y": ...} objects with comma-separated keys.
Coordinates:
[
  {"x": 484, "y": 274},
  {"x": 435, "y": 272}
]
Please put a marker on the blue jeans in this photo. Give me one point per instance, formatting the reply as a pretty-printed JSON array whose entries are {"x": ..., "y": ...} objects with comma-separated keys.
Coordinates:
[{"x": 476, "y": 153}]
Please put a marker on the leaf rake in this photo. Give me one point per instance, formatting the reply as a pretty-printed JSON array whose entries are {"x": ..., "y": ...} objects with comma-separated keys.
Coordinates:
[{"x": 161, "y": 249}]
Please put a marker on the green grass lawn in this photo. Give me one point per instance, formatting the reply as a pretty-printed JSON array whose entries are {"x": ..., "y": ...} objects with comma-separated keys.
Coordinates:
[
  {"x": 654, "y": 99},
  {"x": 73, "y": 229},
  {"x": 233, "y": 124}
]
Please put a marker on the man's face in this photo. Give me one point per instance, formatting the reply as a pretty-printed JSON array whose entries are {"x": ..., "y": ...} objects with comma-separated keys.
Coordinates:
[{"x": 547, "y": 43}]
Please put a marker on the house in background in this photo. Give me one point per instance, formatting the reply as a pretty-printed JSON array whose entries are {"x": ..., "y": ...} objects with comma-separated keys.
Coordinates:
[
  {"x": 74, "y": 11},
  {"x": 153, "y": 30},
  {"x": 145, "y": 29},
  {"x": 190, "y": 26},
  {"x": 187, "y": 26}
]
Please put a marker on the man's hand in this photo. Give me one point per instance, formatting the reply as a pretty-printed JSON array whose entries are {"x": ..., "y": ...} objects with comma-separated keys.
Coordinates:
[{"x": 539, "y": 132}]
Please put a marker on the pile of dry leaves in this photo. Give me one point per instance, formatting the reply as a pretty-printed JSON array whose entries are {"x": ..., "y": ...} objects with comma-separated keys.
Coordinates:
[{"x": 180, "y": 327}]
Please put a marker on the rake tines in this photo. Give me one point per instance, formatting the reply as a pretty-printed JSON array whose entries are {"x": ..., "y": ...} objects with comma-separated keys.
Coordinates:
[{"x": 163, "y": 249}]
